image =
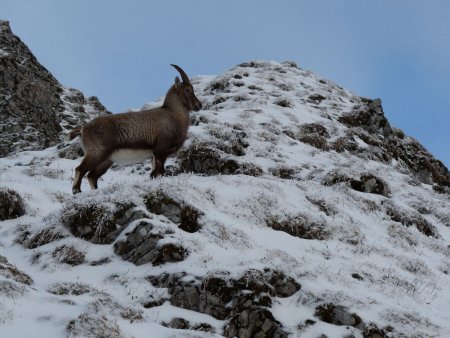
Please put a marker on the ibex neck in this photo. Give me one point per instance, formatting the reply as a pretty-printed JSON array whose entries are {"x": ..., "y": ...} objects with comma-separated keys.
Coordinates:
[{"x": 172, "y": 101}]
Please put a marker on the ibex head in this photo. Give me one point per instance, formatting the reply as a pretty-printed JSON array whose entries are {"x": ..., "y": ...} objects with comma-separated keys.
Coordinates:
[{"x": 186, "y": 91}]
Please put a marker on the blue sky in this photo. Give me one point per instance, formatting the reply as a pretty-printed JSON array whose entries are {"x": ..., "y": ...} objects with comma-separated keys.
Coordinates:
[{"x": 120, "y": 51}]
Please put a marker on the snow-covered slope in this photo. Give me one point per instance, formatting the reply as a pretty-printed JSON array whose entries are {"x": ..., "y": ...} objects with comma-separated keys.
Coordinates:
[{"x": 294, "y": 209}]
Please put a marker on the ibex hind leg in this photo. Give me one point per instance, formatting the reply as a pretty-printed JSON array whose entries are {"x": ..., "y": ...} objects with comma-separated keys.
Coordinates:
[
  {"x": 80, "y": 171},
  {"x": 98, "y": 171},
  {"x": 158, "y": 166}
]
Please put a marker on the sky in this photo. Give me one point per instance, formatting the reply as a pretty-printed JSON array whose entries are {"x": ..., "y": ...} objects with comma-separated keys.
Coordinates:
[{"x": 120, "y": 51}]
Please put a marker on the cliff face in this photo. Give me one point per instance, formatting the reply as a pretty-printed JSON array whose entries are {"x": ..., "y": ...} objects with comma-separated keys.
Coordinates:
[{"x": 34, "y": 107}]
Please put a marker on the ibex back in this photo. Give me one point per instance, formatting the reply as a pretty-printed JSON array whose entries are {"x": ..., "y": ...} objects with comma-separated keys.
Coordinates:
[{"x": 135, "y": 136}]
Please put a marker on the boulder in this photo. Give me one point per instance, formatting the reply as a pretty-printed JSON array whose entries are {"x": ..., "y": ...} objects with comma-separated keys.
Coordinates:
[{"x": 11, "y": 204}]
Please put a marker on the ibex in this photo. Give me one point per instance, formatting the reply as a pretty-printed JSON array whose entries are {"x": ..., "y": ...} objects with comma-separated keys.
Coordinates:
[{"x": 135, "y": 136}]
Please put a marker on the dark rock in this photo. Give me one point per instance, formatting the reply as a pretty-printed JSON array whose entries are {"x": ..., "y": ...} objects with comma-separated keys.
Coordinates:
[
  {"x": 102, "y": 261},
  {"x": 161, "y": 204},
  {"x": 142, "y": 246},
  {"x": 370, "y": 184},
  {"x": 95, "y": 223},
  {"x": 71, "y": 150},
  {"x": 420, "y": 162},
  {"x": 254, "y": 64},
  {"x": 284, "y": 172},
  {"x": 344, "y": 143},
  {"x": 369, "y": 124},
  {"x": 367, "y": 183},
  {"x": 211, "y": 297},
  {"x": 11, "y": 204},
  {"x": 219, "y": 86},
  {"x": 283, "y": 286},
  {"x": 223, "y": 297},
  {"x": 316, "y": 98},
  {"x": 244, "y": 301},
  {"x": 96, "y": 104},
  {"x": 170, "y": 252},
  {"x": 254, "y": 323},
  {"x": 315, "y": 141},
  {"x": 338, "y": 315},
  {"x": 189, "y": 219},
  {"x": 204, "y": 327},
  {"x": 290, "y": 64},
  {"x": 202, "y": 160},
  {"x": 183, "y": 324},
  {"x": 284, "y": 103},
  {"x": 441, "y": 189},
  {"x": 372, "y": 331},
  {"x": 357, "y": 276},
  {"x": 335, "y": 177},
  {"x": 154, "y": 302},
  {"x": 370, "y": 117},
  {"x": 178, "y": 323},
  {"x": 29, "y": 98},
  {"x": 313, "y": 134},
  {"x": 314, "y": 128},
  {"x": 185, "y": 215},
  {"x": 307, "y": 323}
]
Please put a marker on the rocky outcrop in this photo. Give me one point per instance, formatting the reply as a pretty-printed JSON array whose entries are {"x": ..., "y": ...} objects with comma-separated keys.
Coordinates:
[
  {"x": 366, "y": 182},
  {"x": 34, "y": 108},
  {"x": 97, "y": 224},
  {"x": 180, "y": 213},
  {"x": 338, "y": 315},
  {"x": 11, "y": 204},
  {"x": 368, "y": 123},
  {"x": 244, "y": 301},
  {"x": 142, "y": 245}
]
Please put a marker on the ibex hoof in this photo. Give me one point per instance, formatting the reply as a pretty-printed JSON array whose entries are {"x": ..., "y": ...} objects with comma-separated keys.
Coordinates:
[{"x": 76, "y": 191}]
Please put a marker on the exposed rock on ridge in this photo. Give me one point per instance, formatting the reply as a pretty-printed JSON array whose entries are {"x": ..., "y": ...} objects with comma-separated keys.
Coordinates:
[{"x": 34, "y": 107}]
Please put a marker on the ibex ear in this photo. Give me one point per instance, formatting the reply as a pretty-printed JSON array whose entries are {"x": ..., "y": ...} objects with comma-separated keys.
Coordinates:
[{"x": 177, "y": 81}]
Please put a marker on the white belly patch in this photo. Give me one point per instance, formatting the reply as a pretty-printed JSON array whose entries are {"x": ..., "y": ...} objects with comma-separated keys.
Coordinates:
[{"x": 127, "y": 156}]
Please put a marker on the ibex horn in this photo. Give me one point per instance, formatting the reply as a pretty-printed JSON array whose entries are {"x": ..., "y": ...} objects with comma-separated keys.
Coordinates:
[{"x": 184, "y": 77}]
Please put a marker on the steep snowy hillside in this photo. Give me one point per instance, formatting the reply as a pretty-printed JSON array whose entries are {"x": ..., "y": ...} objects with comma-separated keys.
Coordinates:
[{"x": 294, "y": 209}]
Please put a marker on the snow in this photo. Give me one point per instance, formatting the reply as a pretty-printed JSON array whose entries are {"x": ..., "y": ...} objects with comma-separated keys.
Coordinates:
[
  {"x": 403, "y": 285},
  {"x": 3, "y": 53}
]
